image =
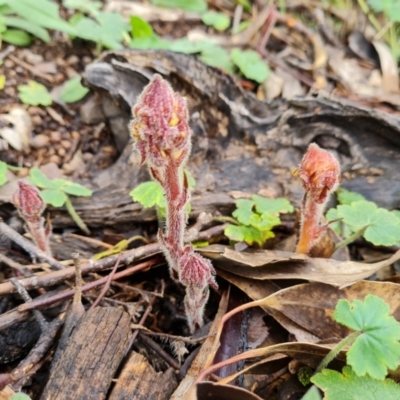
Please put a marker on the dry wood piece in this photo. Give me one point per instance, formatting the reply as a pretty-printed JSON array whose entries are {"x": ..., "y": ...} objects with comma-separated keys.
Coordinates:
[
  {"x": 93, "y": 353},
  {"x": 139, "y": 381}
]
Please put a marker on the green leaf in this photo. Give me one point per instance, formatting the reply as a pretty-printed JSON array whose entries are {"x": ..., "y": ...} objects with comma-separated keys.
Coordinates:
[
  {"x": 34, "y": 94},
  {"x": 344, "y": 196},
  {"x": 16, "y": 37},
  {"x": 198, "y": 6},
  {"x": 85, "y": 6},
  {"x": 73, "y": 188},
  {"x": 377, "y": 348},
  {"x": 244, "y": 210},
  {"x": 216, "y": 56},
  {"x": 113, "y": 27},
  {"x": 3, "y": 173},
  {"x": 2, "y": 81},
  {"x": 243, "y": 233},
  {"x": 312, "y": 394},
  {"x": 140, "y": 28},
  {"x": 349, "y": 386},
  {"x": 250, "y": 64},
  {"x": 264, "y": 222},
  {"x": 20, "y": 396},
  {"x": 54, "y": 197},
  {"x": 29, "y": 27},
  {"x": 39, "y": 179},
  {"x": 41, "y": 12},
  {"x": 382, "y": 228},
  {"x": 217, "y": 20},
  {"x": 73, "y": 90},
  {"x": 272, "y": 206},
  {"x": 153, "y": 42},
  {"x": 191, "y": 180},
  {"x": 148, "y": 194}
]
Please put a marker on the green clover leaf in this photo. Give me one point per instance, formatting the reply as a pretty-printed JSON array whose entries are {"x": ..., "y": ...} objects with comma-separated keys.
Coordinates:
[
  {"x": 217, "y": 20},
  {"x": 54, "y": 197},
  {"x": 73, "y": 90},
  {"x": 250, "y": 64},
  {"x": 377, "y": 348},
  {"x": 344, "y": 196},
  {"x": 349, "y": 386}
]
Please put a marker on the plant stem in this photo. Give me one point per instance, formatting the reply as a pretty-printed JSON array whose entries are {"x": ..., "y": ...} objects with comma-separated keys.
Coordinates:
[
  {"x": 347, "y": 341},
  {"x": 74, "y": 215},
  {"x": 223, "y": 218},
  {"x": 350, "y": 239}
]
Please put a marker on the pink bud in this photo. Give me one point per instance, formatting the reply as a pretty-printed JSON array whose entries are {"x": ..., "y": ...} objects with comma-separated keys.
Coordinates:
[
  {"x": 320, "y": 173},
  {"x": 28, "y": 202},
  {"x": 160, "y": 124},
  {"x": 196, "y": 270}
]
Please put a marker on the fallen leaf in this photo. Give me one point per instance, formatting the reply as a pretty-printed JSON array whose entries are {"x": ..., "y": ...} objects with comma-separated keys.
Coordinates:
[
  {"x": 266, "y": 264},
  {"x": 390, "y": 75}
]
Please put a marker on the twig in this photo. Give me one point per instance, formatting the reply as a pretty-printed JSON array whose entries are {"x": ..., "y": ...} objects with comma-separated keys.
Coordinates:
[
  {"x": 107, "y": 284},
  {"x": 69, "y": 293},
  {"x": 128, "y": 257},
  {"x": 160, "y": 351},
  {"x": 28, "y": 246},
  {"x": 11, "y": 263},
  {"x": 25, "y": 296},
  {"x": 31, "y": 69}
]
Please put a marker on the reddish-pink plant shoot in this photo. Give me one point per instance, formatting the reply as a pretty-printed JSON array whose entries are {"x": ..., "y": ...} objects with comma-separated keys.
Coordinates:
[
  {"x": 30, "y": 206},
  {"x": 162, "y": 136},
  {"x": 319, "y": 172}
]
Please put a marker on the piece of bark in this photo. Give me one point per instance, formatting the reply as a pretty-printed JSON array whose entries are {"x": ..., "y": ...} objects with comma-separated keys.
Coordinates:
[
  {"x": 95, "y": 349},
  {"x": 139, "y": 381}
]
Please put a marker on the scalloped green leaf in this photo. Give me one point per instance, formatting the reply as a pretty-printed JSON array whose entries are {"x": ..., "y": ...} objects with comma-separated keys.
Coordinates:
[
  {"x": 73, "y": 90},
  {"x": 217, "y": 20},
  {"x": 377, "y": 348},
  {"x": 345, "y": 196},
  {"x": 20, "y": 396},
  {"x": 39, "y": 179},
  {"x": 76, "y": 189},
  {"x": 243, "y": 233},
  {"x": 272, "y": 206},
  {"x": 54, "y": 197},
  {"x": 312, "y": 394},
  {"x": 244, "y": 210},
  {"x": 149, "y": 194},
  {"x": 382, "y": 228},
  {"x": 250, "y": 64},
  {"x": 349, "y": 386},
  {"x": 34, "y": 94},
  {"x": 264, "y": 222},
  {"x": 140, "y": 28}
]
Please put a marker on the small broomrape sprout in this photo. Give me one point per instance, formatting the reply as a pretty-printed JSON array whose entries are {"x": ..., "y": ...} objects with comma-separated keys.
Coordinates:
[
  {"x": 319, "y": 172},
  {"x": 30, "y": 206},
  {"x": 162, "y": 137}
]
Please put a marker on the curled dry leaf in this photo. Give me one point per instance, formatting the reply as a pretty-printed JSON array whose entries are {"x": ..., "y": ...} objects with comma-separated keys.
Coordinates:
[
  {"x": 16, "y": 128},
  {"x": 268, "y": 264}
]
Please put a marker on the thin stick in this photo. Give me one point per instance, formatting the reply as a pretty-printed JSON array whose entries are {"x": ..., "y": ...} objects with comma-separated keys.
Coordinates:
[
  {"x": 25, "y": 296},
  {"x": 28, "y": 246},
  {"x": 69, "y": 293},
  {"x": 128, "y": 257},
  {"x": 107, "y": 284}
]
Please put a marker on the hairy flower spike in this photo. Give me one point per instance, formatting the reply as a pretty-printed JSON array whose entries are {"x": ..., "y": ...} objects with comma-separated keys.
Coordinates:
[
  {"x": 319, "y": 172},
  {"x": 30, "y": 206},
  {"x": 162, "y": 136}
]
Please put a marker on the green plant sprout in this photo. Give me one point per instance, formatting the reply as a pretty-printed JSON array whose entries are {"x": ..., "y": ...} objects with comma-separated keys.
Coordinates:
[
  {"x": 73, "y": 90},
  {"x": 56, "y": 193},
  {"x": 374, "y": 348},
  {"x": 359, "y": 217},
  {"x": 255, "y": 218},
  {"x": 34, "y": 94},
  {"x": 217, "y": 20}
]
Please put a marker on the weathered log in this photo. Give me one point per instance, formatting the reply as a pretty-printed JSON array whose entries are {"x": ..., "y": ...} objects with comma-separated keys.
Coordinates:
[
  {"x": 139, "y": 381},
  {"x": 93, "y": 354}
]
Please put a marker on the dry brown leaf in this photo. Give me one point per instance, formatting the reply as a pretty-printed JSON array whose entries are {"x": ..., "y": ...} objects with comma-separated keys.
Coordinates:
[
  {"x": 310, "y": 306},
  {"x": 390, "y": 75},
  {"x": 267, "y": 264}
]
